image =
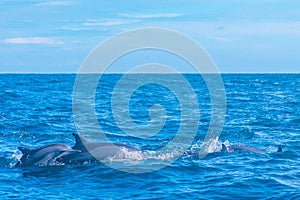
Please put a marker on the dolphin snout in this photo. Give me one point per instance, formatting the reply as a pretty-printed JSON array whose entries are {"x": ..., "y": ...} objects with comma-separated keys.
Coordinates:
[
  {"x": 69, "y": 152},
  {"x": 74, "y": 151}
]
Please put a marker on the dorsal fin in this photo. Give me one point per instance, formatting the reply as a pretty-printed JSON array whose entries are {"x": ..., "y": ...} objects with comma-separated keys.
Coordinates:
[
  {"x": 24, "y": 150},
  {"x": 279, "y": 148},
  {"x": 79, "y": 141},
  {"x": 224, "y": 148}
]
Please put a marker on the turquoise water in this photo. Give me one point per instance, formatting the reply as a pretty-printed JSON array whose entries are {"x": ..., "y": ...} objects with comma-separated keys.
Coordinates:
[{"x": 262, "y": 112}]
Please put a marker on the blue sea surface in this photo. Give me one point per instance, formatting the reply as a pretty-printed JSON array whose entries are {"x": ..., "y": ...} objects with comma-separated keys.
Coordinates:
[{"x": 262, "y": 112}]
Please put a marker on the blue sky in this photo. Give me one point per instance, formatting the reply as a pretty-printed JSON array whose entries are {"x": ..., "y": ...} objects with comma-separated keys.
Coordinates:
[{"x": 239, "y": 35}]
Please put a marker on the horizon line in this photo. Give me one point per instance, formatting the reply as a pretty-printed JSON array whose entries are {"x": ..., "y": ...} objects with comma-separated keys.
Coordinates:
[{"x": 71, "y": 73}]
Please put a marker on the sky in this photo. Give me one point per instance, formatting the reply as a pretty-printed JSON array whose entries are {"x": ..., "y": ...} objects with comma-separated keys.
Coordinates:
[{"x": 253, "y": 36}]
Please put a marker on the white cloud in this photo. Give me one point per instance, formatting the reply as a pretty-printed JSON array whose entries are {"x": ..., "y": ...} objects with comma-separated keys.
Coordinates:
[
  {"x": 223, "y": 39},
  {"x": 108, "y": 22},
  {"x": 54, "y": 3},
  {"x": 73, "y": 28},
  {"x": 32, "y": 40},
  {"x": 94, "y": 24},
  {"x": 146, "y": 16}
]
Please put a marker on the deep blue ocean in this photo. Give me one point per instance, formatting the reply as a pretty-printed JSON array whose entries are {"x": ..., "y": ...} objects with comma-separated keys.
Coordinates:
[{"x": 262, "y": 112}]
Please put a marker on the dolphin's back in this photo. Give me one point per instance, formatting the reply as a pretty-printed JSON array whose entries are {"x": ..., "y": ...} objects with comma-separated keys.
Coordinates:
[
  {"x": 83, "y": 144},
  {"x": 247, "y": 148},
  {"x": 91, "y": 152}
]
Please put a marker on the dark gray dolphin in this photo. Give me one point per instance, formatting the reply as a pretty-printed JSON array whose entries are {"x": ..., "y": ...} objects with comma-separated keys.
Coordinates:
[
  {"x": 45, "y": 155},
  {"x": 92, "y": 152},
  {"x": 279, "y": 149}
]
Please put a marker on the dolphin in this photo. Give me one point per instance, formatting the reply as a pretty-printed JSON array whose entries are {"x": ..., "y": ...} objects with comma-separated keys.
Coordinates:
[
  {"x": 45, "y": 155},
  {"x": 83, "y": 144},
  {"x": 280, "y": 148},
  {"x": 232, "y": 148},
  {"x": 92, "y": 152}
]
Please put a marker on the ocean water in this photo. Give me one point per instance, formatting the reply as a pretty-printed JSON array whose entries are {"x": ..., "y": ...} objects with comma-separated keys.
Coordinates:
[{"x": 262, "y": 112}]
